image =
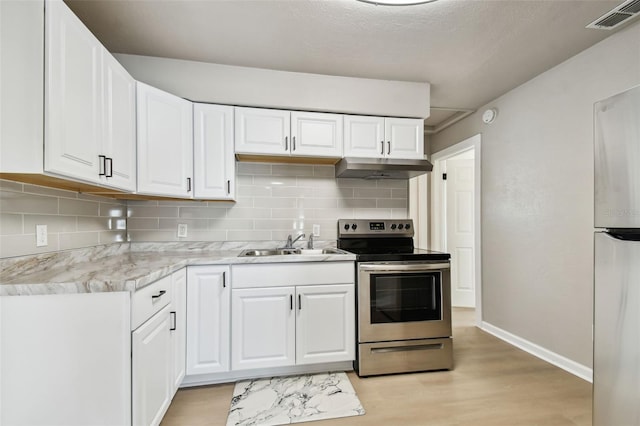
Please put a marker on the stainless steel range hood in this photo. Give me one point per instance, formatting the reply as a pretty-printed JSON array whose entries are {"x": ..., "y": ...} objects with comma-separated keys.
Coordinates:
[{"x": 381, "y": 168}]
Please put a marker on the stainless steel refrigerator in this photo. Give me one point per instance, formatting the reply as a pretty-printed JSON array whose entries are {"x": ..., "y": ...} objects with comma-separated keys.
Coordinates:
[{"x": 616, "y": 353}]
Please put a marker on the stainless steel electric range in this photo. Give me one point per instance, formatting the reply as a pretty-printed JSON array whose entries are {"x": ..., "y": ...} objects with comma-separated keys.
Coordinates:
[{"x": 403, "y": 298}]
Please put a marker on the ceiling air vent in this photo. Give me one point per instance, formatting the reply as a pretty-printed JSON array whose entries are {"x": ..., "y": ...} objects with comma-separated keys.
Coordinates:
[{"x": 617, "y": 16}]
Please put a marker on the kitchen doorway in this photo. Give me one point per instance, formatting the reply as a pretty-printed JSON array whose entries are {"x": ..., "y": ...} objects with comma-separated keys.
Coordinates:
[{"x": 455, "y": 219}]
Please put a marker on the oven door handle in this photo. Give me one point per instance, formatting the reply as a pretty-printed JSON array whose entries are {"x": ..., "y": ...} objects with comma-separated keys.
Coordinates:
[{"x": 403, "y": 268}]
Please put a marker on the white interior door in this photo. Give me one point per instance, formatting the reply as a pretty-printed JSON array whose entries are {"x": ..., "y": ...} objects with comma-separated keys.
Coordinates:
[{"x": 460, "y": 230}]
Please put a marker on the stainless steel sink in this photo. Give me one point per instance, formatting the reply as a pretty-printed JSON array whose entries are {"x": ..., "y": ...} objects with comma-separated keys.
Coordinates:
[
  {"x": 288, "y": 251},
  {"x": 269, "y": 252}
]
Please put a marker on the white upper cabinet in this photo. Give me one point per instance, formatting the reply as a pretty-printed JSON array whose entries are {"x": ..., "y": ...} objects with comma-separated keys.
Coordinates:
[
  {"x": 363, "y": 136},
  {"x": 380, "y": 137},
  {"x": 214, "y": 163},
  {"x": 316, "y": 134},
  {"x": 89, "y": 105},
  {"x": 165, "y": 143},
  {"x": 119, "y": 142},
  {"x": 73, "y": 95},
  {"x": 262, "y": 131},
  {"x": 287, "y": 133},
  {"x": 404, "y": 137}
]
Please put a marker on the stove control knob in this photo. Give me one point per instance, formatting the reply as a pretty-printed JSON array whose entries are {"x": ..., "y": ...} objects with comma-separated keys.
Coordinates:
[
  {"x": 407, "y": 226},
  {"x": 346, "y": 226},
  {"x": 393, "y": 226},
  {"x": 400, "y": 226},
  {"x": 354, "y": 226}
]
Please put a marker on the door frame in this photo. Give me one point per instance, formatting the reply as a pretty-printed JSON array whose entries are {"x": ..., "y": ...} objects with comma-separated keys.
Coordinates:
[{"x": 438, "y": 233}]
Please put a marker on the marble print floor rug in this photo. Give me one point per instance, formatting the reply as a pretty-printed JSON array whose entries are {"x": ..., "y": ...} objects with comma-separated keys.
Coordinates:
[{"x": 293, "y": 399}]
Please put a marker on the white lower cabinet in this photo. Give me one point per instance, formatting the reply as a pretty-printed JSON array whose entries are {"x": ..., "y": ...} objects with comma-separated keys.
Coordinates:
[
  {"x": 151, "y": 380},
  {"x": 208, "y": 316},
  {"x": 65, "y": 359},
  {"x": 306, "y": 315},
  {"x": 263, "y": 328},
  {"x": 325, "y": 323},
  {"x": 178, "y": 326}
]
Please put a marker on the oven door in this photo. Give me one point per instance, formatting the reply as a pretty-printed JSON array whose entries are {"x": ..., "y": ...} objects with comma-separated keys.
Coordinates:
[{"x": 403, "y": 300}]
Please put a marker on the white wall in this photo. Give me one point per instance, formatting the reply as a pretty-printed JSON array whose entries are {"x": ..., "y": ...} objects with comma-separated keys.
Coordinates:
[
  {"x": 537, "y": 196},
  {"x": 225, "y": 84}
]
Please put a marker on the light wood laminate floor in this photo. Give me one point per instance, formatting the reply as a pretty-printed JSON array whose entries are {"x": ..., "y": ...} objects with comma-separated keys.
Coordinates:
[{"x": 492, "y": 384}]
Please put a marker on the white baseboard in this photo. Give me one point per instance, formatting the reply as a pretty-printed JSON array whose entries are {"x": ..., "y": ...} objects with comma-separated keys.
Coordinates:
[{"x": 560, "y": 361}]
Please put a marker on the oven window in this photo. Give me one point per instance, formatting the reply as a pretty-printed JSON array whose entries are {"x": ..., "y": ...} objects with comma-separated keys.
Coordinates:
[{"x": 405, "y": 297}]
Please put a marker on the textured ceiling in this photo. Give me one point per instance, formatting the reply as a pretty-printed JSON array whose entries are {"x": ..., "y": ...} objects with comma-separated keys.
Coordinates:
[{"x": 471, "y": 51}]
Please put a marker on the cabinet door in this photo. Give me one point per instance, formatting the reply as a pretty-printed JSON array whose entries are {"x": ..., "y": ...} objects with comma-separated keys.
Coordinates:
[
  {"x": 325, "y": 325},
  {"x": 151, "y": 369},
  {"x": 404, "y": 137},
  {"x": 73, "y": 95},
  {"x": 262, "y": 131},
  {"x": 65, "y": 359},
  {"x": 364, "y": 136},
  {"x": 208, "y": 316},
  {"x": 263, "y": 328},
  {"x": 178, "y": 327},
  {"x": 316, "y": 134},
  {"x": 119, "y": 141},
  {"x": 165, "y": 143},
  {"x": 213, "y": 161}
]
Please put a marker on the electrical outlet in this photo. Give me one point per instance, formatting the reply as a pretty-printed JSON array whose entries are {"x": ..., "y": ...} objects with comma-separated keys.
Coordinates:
[
  {"x": 316, "y": 230},
  {"x": 182, "y": 230},
  {"x": 41, "y": 236}
]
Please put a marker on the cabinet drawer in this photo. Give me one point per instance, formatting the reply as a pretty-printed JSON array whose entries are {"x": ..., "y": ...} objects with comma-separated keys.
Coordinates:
[
  {"x": 288, "y": 274},
  {"x": 149, "y": 300}
]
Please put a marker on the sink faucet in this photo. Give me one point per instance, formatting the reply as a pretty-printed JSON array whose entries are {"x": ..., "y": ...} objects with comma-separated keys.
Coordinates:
[
  {"x": 310, "y": 242},
  {"x": 290, "y": 242}
]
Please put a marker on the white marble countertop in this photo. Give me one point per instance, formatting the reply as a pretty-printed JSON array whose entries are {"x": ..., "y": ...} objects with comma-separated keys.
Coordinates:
[{"x": 126, "y": 267}]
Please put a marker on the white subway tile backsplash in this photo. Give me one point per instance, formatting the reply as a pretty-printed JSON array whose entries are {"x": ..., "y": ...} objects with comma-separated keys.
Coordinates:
[
  {"x": 71, "y": 240},
  {"x": 79, "y": 207},
  {"x": 249, "y": 235},
  {"x": 10, "y": 224},
  {"x": 192, "y": 224},
  {"x": 73, "y": 220},
  {"x": 20, "y": 202},
  {"x": 203, "y": 212},
  {"x": 393, "y": 203},
  {"x": 151, "y": 211},
  {"x": 253, "y": 168},
  {"x": 54, "y": 223},
  {"x": 272, "y": 201},
  {"x": 372, "y": 193}
]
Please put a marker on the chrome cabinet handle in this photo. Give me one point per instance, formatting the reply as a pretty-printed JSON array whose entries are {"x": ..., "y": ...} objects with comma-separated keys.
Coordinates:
[
  {"x": 188, "y": 184},
  {"x": 286, "y": 143},
  {"x": 389, "y": 147},
  {"x": 224, "y": 280},
  {"x": 293, "y": 147},
  {"x": 382, "y": 149},
  {"x": 291, "y": 302},
  {"x": 228, "y": 186},
  {"x": 299, "y": 302}
]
